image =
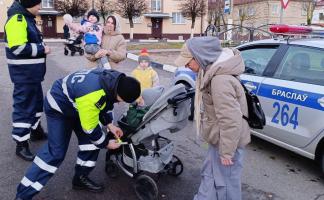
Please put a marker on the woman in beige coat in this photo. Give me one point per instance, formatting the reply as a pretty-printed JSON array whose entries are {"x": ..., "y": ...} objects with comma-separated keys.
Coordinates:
[
  {"x": 113, "y": 44},
  {"x": 221, "y": 98}
]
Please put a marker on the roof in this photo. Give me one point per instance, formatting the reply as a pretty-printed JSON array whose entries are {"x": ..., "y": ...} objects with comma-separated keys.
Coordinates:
[
  {"x": 240, "y": 2},
  {"x": 312, "y": 42}
]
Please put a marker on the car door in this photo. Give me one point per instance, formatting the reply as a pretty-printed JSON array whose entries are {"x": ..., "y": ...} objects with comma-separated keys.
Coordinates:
[
  {"x": 256, "y": 59},
  {"x": 293, "y": 98}
]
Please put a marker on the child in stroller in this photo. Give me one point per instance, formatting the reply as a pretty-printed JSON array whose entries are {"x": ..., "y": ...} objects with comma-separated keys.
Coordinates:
[
  {"x": 145, "y": 150},
  {"x": 74, "y": 45}
]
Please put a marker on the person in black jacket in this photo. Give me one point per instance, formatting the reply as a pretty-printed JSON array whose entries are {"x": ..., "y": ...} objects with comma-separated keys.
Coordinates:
[
  {"x": 66, "y": 33},
  {"x": 26, "y": 58}
]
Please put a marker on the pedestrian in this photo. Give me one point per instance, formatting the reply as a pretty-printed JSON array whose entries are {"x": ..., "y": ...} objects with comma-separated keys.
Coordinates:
[
  {"x": 66, "y": 32},
  {"x": 145, "y": 74},
  {"x": 93, "y": 31},
  {"x": 80, "y": 102},
  {"x": 26, "y": 58},
  {"x": 220, "y": 104},
  {"x": 113, "y": 44}
]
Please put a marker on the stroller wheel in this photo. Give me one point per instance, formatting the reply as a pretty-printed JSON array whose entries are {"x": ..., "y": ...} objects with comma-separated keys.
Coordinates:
[
  {"x": 81, "y": 52},
  {"x": 66, "y": 52},
  {"x": 175, "y": 166},
  {"x": 72, "y": 53},
  {"x": 146, "y": 188}
]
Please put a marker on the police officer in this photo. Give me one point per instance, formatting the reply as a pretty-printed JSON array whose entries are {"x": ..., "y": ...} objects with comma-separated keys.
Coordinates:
[
  {"x": 26, "y": 55},
  {"x": 82, "y": 102}
]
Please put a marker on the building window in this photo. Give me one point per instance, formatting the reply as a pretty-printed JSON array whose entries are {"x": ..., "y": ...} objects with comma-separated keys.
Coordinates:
[
  {"x": 241, "y": 12},
  {"x": 304, "y": 9},
  {"x": 275, "y": 9},
  {"x": 156, "y": 5},
  {"x": 321, "y": 16},
  {"x": 47, "y": 3},
  {"x": 177, "y": 18},
  {"x": 251, "y": 11}
]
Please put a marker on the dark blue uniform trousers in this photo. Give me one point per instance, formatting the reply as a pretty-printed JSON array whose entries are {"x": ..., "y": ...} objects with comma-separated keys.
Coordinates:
[
  {"x": 52, "y": 154},
  {"x": 27, "y": 109}
]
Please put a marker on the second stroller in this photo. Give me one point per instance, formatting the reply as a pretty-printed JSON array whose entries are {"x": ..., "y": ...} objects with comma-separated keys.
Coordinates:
[{"x": 74, "y": 45}]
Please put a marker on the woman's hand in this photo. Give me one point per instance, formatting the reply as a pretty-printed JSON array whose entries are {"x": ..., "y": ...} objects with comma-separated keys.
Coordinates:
[
  {"x": 113, "y": 144},
  {"x": 115, "y": 130},
  {"x": 101, "y": 53},
  {"x": 226, "y": 161}
]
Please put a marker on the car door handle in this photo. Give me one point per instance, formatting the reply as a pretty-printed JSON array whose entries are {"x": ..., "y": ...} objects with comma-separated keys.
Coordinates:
[
  {"x": 321, "y": 101},
  {"x": 250, "y": 86}
]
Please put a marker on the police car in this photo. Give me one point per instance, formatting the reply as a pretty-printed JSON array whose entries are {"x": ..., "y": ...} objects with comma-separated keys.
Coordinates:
[{"x": 288, "y": 77}]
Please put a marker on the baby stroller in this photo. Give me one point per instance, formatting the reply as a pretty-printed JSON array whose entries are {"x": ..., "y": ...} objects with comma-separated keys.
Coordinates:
[
  {"x": 74, "y": 45},
  {"x": 145, "y": 151}
]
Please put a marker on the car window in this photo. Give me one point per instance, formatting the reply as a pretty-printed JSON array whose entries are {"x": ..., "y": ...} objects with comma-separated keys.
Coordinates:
[
  {"x": 257, "y": 59},
  {"x": 302, "y": 64}
]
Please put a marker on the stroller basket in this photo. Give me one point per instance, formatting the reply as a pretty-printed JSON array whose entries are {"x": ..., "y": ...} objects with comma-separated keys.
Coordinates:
[{"x": 150, "y": 158}]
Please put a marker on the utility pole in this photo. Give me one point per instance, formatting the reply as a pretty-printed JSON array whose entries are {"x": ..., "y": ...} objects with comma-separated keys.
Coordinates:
[{"x": 92, "y": 4}]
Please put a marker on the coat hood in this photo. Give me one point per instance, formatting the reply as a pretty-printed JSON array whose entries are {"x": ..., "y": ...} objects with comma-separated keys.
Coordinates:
[
  {"x": 229, "y": 62},
  {"x": 205, "y": 50},
  {"x": 17, "y": 8}
]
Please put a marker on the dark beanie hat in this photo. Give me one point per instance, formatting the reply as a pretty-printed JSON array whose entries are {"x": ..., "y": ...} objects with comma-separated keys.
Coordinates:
[
  {"x": 29, "y": 3},
  {"x": 129, "y": 89},
  {"x": 94, "y": 13}
]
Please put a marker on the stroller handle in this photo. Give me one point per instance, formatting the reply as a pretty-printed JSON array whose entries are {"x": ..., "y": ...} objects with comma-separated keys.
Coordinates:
[{"x": 181, "y": 97}]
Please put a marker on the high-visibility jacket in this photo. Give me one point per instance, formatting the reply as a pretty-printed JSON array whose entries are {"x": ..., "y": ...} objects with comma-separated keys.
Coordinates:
[
  {"x": 83, "y": 95},
  {"x": 24, "y": 46}
]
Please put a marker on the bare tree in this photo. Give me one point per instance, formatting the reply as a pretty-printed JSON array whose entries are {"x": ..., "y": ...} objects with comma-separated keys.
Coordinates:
[
  {"x": 76, "y": 8},
  {"x": 192, "y": 9},
  {"x": 216, "y": 13},
  {"x": 104, "y": 8},
  {"x": 131, "y": 9},
  {"x": 309, "y": 6}
]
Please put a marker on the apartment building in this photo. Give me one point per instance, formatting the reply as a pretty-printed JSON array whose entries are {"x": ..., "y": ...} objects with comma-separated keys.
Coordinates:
[
  {"x": 162, "y": 20},
  {"x": 260, "y": 12},
  {"x": 49, "y": 21},
  {"x": 318, "y": 15}
]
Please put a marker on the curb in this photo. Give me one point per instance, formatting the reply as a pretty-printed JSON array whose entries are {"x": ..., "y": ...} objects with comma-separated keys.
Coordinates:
[
  {"x": 168, "y": 68},
  {"x": 53, "y": 40}
]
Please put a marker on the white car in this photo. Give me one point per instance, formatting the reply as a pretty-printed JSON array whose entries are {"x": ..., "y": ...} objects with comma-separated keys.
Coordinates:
[{"x": 288, "y": 77}]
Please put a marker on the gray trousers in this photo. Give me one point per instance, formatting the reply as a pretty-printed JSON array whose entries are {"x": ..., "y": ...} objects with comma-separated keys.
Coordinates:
[
  {"x": 93, "y": 49},
  {"x": 219, "y": 182}
]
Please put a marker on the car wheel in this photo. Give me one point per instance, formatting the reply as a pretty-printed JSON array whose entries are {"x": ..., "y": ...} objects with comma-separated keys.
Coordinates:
[{"x": 321, "y": 160}]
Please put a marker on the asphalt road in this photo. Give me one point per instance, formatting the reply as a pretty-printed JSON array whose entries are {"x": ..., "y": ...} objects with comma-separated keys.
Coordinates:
[{"x": 270, "y": 172}]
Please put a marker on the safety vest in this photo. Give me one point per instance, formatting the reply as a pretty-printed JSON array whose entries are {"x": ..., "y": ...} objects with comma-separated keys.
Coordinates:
[
  {"x": 24, "y": 46},
  {"x": 82, "y": 95}
]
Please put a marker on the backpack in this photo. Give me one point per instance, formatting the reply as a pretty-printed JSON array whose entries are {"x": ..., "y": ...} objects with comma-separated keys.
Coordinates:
[{"x": 256, "y": 117}]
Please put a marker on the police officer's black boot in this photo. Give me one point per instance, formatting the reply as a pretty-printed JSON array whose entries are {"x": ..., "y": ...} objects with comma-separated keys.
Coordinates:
[
  {"x": 82, "y": 182},
  {"x": 22, "y": 151},
  {"x": 38, "y": 134}
]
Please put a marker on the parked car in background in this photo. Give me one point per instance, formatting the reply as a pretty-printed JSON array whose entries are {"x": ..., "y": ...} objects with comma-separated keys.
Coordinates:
[{"x": 288, "y": 77}]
